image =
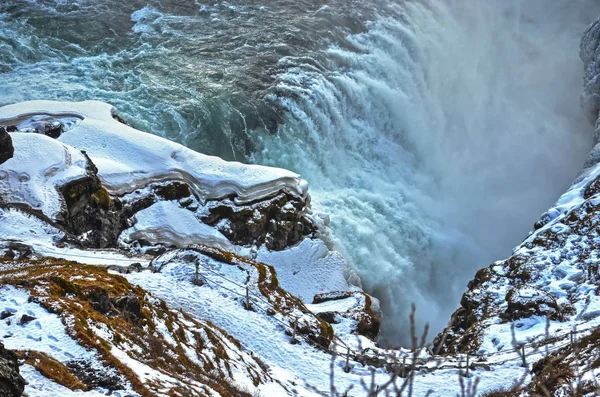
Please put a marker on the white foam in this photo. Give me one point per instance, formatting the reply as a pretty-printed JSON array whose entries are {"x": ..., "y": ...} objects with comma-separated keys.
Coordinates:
[{"x": 437, "y": 140}]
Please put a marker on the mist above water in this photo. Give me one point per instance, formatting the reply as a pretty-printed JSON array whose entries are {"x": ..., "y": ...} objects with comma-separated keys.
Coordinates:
[{"x": 438, "y": 141}]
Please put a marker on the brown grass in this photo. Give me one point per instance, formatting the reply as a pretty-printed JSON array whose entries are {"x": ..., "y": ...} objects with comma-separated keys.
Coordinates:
[
  {"x": 51, "y": 369},
  {"x": 59, "y": 286}
]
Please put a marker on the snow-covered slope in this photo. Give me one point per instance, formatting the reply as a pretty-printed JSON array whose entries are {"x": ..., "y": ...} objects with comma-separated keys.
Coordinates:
[{"x": 83, "y": 186}]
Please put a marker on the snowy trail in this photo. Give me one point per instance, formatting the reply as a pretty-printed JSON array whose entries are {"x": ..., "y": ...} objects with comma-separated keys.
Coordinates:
[{"x": 299, "y": 364}]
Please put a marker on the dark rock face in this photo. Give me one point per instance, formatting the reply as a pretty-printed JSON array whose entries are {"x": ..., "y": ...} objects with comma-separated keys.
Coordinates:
[
  {"x": 12, "y": 383},
  {"x": 278, "y": 222},
  {"x": 7, "y": 150},
  {"x": 53, "y": 129},
  {"x": 367, "y": 321},
  {"x": 330, "y": 317},
  {"x": 130, "y": 306},
  {"x": 98, "y": 296},
  {"x": 93, "y": 378},
  {"x": 133, "y": 268},
  {"x": 26, "y": 318},
  {"x": 6, "y": 314},
  {"x": 92, "y": 213},
  {"x": 527, "y": 302}
]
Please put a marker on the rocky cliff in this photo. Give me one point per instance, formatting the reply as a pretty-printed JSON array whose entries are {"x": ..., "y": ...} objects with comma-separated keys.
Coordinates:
[{"x": 550, "y": 286}]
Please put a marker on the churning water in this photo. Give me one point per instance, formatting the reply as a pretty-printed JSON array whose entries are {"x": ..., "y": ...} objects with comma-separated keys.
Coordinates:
[{"x": 433, "y": 132}]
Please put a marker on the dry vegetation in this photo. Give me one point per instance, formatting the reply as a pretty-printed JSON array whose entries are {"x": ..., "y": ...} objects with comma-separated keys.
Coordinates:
[{"x": 72, "y": 290}]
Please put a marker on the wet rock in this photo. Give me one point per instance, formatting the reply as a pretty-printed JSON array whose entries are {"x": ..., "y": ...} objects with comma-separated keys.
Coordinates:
[
  {"x": 26, "y": 318},
  {"x": 119, "y": 119},
  {"x": 12, "y": 383},
  {"x": 6, "y": 147},
  {"x": 129, "y": 305}
]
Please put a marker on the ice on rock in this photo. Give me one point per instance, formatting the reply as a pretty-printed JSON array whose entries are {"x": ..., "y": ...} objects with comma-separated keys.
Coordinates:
[
  {"x": 40, "y": 164},
  {"x": 129, "y": 159},
  {"x": 181, "y": 229}
]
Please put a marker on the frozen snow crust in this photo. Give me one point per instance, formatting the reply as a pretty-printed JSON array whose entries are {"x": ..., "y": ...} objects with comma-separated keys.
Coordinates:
[{"x": 129, "y": 159}]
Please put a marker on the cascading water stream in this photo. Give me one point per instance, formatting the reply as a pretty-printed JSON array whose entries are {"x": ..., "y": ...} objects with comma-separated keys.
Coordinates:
[
  {"x": 437, "y": 141},
  {"x": 434, "y": 133}
]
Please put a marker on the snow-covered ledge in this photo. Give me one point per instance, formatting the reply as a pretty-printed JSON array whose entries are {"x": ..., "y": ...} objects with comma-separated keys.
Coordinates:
[
  {"x": 145, "y": 194},
  {"x": 128, "y": 159}
]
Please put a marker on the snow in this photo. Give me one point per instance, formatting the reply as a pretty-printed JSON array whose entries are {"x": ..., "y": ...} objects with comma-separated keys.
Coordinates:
[
  {"x": 308, "y": 269},
  {"x": 40, "y": 386},
  {"x": 46, "y": 334},
  {"x": 16, "y": 225},
  {"x": 166, "y": 222},
  {"x": 129, "y": 159},
  {"x": 39, "y": 165},
  {"x": 301, "y": 368}
]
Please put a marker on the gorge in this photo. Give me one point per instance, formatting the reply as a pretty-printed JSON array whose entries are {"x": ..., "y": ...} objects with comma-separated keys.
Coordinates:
[{"x": 432, "y": 135}]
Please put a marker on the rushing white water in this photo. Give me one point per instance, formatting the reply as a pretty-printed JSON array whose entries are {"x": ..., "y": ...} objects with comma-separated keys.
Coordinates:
[{"x": 438, "y": 140}]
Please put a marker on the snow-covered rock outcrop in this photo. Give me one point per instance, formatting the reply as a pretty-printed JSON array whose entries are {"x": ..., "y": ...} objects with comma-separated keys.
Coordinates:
[
  {"x": 242, "y": 265},
  {"x": 70, "y": 156}
]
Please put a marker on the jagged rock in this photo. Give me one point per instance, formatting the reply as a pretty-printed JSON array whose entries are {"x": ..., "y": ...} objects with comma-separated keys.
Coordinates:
[
  {"x": 6, "y": 314},
  {"x": 53, "y": 129},
  {"x": 92, "y": 378},
  {"x": 330, "y": 317},
  {"x": 365, "y": 315},
  {"x": 12, "y": 383},
  {"x": 527, "y": 302},
  {"x": 279, "y": 222},
  {"x": 6, "y": 147},
  {"x": 173, "y": 191},
  {"x": 18, "y": 250},
  {"x": 99, "y": 299},
  {"x": 92, "y": 214},
  {"x": 129, "y": 305},
  {"x": 133, "y": 268},
  {"x": 26, "y": 318}
]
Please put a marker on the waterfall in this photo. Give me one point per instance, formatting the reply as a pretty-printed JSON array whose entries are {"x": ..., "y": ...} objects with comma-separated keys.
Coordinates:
[{"x": 436, "y": 139}]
